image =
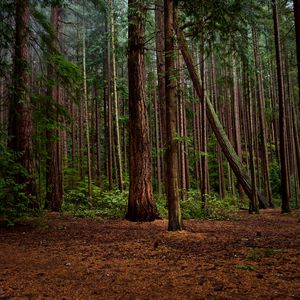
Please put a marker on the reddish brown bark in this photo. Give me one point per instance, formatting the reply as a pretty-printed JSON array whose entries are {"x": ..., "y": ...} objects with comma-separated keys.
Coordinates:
[
  {"x": 282, "y": 118},
  {"x": 20, "y": 127},
  {"x": 171, "y": 161},
  {"x": 160, "y": 61},
  {"x": 141, "y": 206},
  {"x": 54, "y": 192},
  {"x": 297, "y": 30}
]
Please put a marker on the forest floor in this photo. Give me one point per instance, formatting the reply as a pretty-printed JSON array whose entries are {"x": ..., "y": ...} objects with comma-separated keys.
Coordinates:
[{"x": 62, "y": 257}]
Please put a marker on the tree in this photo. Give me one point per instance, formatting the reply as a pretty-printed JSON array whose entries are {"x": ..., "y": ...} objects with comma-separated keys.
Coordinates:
[
  {"x": 141, "y": 206},
  {"x": 20, "y": 126},
  {"x": 54, "y": 182},
  {"x": 285, "y": 195},
  {"x": 215, "y": 123},
  {"x": 171, "y": 161},
  {"x": 297, "y": 30}
]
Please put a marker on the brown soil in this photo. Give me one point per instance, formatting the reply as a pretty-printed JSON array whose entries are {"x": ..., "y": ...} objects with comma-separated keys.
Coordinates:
[{"x": 61, "y": 257}]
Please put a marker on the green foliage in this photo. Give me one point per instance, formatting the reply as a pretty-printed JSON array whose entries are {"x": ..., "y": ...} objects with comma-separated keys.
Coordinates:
[
  {"x": 275, "y": 178},
  {"x": 191, "y": 208},
  {"x": 226, "y": 208},
  {"x": 14, "y": 203},
  {"x": 108, "y": 204}
]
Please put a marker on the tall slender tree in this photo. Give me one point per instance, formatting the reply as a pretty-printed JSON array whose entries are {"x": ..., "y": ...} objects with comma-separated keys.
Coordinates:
[
  {"x": 297, "y": 30},
  {"x": 285, "y": 194},
  {"x": 171, "y": 156},
  {"x": 54, "y": 183}
]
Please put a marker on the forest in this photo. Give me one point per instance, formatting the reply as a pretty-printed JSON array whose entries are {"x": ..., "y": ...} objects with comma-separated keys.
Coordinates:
[{"x": 168, "y": 129}]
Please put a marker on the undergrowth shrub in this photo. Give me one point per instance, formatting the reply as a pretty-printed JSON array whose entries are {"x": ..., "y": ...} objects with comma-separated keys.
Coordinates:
[
  {"x": 109, "y": 204},
  {"x": 14, "y": 203}
]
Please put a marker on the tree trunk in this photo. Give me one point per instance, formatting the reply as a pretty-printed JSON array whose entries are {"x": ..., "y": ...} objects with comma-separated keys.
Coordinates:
[
  {"x": 54, "y": 194},
  {"x": 236, "y": 117},
  {"x": 115, "y": 97},
  {"x": 108, "y": 111},
  {"x": 282, "y": 118},
  {"x": 171, "y": 162},
  {"x": 297, "y": 30},
  {"x": 216, "y": 125},
  {"x": 86, "y": 110},
  {"x": 20, "y": 116},
  {"x": 141, "y": 206},
  {"x": 160, "y": 61},
  {"x": 262, "y": 121}
]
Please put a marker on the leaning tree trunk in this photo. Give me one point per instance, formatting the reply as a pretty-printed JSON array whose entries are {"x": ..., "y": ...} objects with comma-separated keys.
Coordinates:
[
  {"x": 215, "y": 123},
  {"x": 171, "y": 155},
  {"x": 20, "y": 119},
  {"x": 141, "y": 206},
  {"x": 285, "y": 197}
]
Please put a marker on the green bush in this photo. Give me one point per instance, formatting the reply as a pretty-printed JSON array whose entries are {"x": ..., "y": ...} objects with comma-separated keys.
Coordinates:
[
  {"x": 109, "y": 204},
  {"x": 14, "y": 203}
]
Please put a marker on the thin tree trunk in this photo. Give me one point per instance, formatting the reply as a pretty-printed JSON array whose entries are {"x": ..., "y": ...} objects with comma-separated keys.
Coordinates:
[
  {"x": 157, "y": 139},
  {"x": 282, "y": 118},
  {"x": 297, "y": 30},
  {"x": 98, "y": 139},
  {"x": 254, "y": 205},
  {"x": 87, "y": 128},
  {"x": 236, "y": 118},
  {"x": 115, "y": 97},
  {"x": 160, "y": 61}
]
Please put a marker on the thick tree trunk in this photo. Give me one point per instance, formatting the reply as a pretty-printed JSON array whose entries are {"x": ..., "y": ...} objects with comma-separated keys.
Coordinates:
[
  {"x": 216, "y": 125},
  {"x": 175, "y": 222},
  {"x": 141, "y": 206},
  {"x": 20, "y": 119},
  {"x": 282, "y": 118}
]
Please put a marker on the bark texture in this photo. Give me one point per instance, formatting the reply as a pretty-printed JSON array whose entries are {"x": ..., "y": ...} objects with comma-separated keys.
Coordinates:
[
  {"x": 141, "y": 206},
  {"x": 20, "y": 122},
  {"x": 282, "y": 118},
  {"x": 171, "y": 161},
  {"x": 54, "y": 182}
]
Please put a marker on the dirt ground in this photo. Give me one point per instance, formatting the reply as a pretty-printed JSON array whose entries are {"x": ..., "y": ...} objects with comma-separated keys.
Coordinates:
[{"x": 61, "y": 257}]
